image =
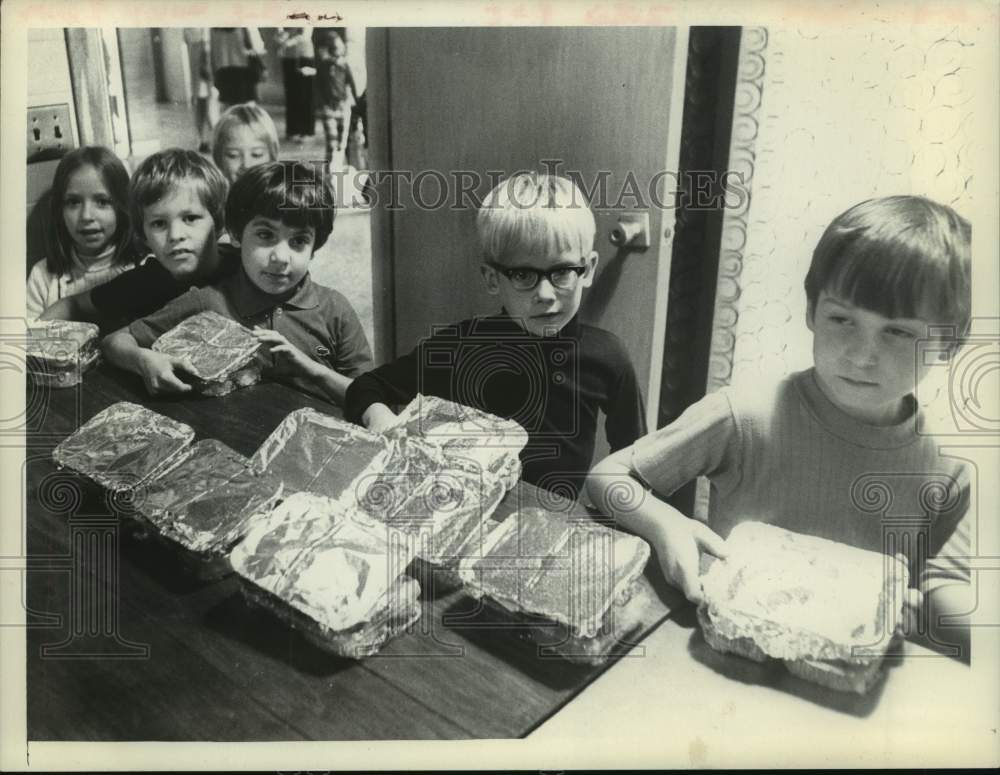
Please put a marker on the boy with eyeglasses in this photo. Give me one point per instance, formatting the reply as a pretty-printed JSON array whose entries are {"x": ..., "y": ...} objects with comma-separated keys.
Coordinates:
[{"x": 535, "y": 362}]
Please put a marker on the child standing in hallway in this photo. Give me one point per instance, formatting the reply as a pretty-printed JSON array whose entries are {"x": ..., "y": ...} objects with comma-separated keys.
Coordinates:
[{"x": 335, "y": 88}]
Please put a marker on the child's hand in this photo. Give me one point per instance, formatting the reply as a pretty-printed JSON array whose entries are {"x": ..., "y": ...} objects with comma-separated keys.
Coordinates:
[
  {"x": 913, "y": 602},
  {"x": 281, "y": 347},
  {"x": 678, "y": 547},
  {"x": 160, "y": 372},
  {"x": 306, "y": 70},
  {"x": 379, "y": 418}
]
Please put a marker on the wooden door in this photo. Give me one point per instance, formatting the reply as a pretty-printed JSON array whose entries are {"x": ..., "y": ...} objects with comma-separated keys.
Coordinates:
[{"x": 603, "y": 102}]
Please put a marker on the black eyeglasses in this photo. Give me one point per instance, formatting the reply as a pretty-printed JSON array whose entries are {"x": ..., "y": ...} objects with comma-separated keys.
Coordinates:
[{"x": 525, "y": 278}]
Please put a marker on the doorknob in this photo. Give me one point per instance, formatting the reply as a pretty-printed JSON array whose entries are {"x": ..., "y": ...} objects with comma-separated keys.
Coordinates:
[{"x": 631, "y": 231}]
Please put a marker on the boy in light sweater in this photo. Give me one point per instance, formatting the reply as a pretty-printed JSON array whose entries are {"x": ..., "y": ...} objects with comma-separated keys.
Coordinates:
[{"x": 832, "y": 451}]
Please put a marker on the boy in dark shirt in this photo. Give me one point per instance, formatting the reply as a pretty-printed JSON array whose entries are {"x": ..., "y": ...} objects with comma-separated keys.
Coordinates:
[
  {"x": 175, "y": 198},
  {"x": 535, "y": 362}
]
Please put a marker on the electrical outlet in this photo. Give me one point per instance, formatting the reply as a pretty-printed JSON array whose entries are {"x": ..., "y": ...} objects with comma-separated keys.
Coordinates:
[{"x": 50, "y": 133}]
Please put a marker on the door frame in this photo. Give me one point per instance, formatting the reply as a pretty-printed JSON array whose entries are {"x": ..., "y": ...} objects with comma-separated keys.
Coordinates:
[{"x": 378, "y": 50}]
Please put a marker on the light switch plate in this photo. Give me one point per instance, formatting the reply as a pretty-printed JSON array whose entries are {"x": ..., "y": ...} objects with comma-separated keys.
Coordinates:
[{"x": 50, "y": 133}]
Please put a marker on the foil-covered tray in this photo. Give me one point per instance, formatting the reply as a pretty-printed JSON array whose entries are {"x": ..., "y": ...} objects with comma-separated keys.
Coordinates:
[
  {"x": 462, "y": 431},
  {"x": 314, "y": 452},
  {"x": 241, "y": 378},
  {"x": 205, "y": 502},
  {"x": 641, "y": 609},
  {"x": 558, "y": 568},
  {"x": 332, "y": 567},
  {"x": 215, "y": 346},
  {"x": 124, "y": 446},
  {"x": 401, "y": 610},
  {"x": 797, "y": 596},
  {"x": 60, "y": 352},
  {"x": 449, "y": 514},
  {"x": 381, "y": 490}
]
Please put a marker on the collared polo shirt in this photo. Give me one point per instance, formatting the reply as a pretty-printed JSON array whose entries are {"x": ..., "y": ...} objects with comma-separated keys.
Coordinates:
[{"x": 317, "y": 320}]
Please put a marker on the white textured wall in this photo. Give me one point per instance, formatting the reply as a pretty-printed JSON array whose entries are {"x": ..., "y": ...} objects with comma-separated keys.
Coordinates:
[{"x": 843, "y": 116}]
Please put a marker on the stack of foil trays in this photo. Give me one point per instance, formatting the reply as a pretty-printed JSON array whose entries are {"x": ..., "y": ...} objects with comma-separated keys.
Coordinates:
[
  {"x": 60, "y": 352},
  {"x": 438, "y": 488},
  {"x": 418, "y": 498}
]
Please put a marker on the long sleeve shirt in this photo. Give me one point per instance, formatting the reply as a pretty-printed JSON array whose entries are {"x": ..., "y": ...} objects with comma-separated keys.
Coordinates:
[
  {"x": 786, "y": 455},
  {"x": 555, "y": 387}
]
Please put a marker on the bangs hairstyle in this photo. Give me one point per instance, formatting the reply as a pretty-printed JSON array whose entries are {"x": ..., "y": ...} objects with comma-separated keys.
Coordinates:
[
  {"x": 900, "y": 257},
  {"x": 163, "y": 172},
  {"x": 59, "y": 243},
  {"x": 537, "y": 215},
  {"x": 298, "y": 195},
  {"x": 256, "y": 118}
]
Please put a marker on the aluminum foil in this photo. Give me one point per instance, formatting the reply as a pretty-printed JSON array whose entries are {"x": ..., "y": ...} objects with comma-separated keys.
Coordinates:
[
  {"x": 215, "y": 345},
  {"x": 124, "y": 446},
  {"x": 562, "y": 568},
  {"x": 461, "y": 431},
  {"x": 245, "y": 377},
  {"x": 803, "y": 597},
  {"x": 385, "y": 486},
  {"x": 314, "y": 452},
  {"x": 332, "y": 566},
  {"x": 431, "y": 488},
  {"x": 205, "y": 502},
  {"x": 401, "y": 609},
  {"x": 449, "y": 514},
  {"x": 60, "y": 352}
]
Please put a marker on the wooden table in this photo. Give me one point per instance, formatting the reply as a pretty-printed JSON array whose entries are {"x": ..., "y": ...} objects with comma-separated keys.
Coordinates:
[
  {"x": 190, "y": 661},
  {"x": 123, "y": 645}
]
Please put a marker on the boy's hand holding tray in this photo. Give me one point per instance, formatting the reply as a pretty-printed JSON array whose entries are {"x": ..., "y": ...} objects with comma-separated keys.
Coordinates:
[
  {"x": 829, "y": 611},
  {"x": 218, "y": 351}
]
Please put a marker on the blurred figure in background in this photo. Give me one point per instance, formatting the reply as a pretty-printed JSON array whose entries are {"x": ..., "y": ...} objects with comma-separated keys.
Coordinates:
[
  {"x": 357, "y": 134},
  {"x": 197, "y": 40},
  {"x": 237, "y": 56},
  {"x": 297, "y": 71},
  {"x": 335, "y": 90}
]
